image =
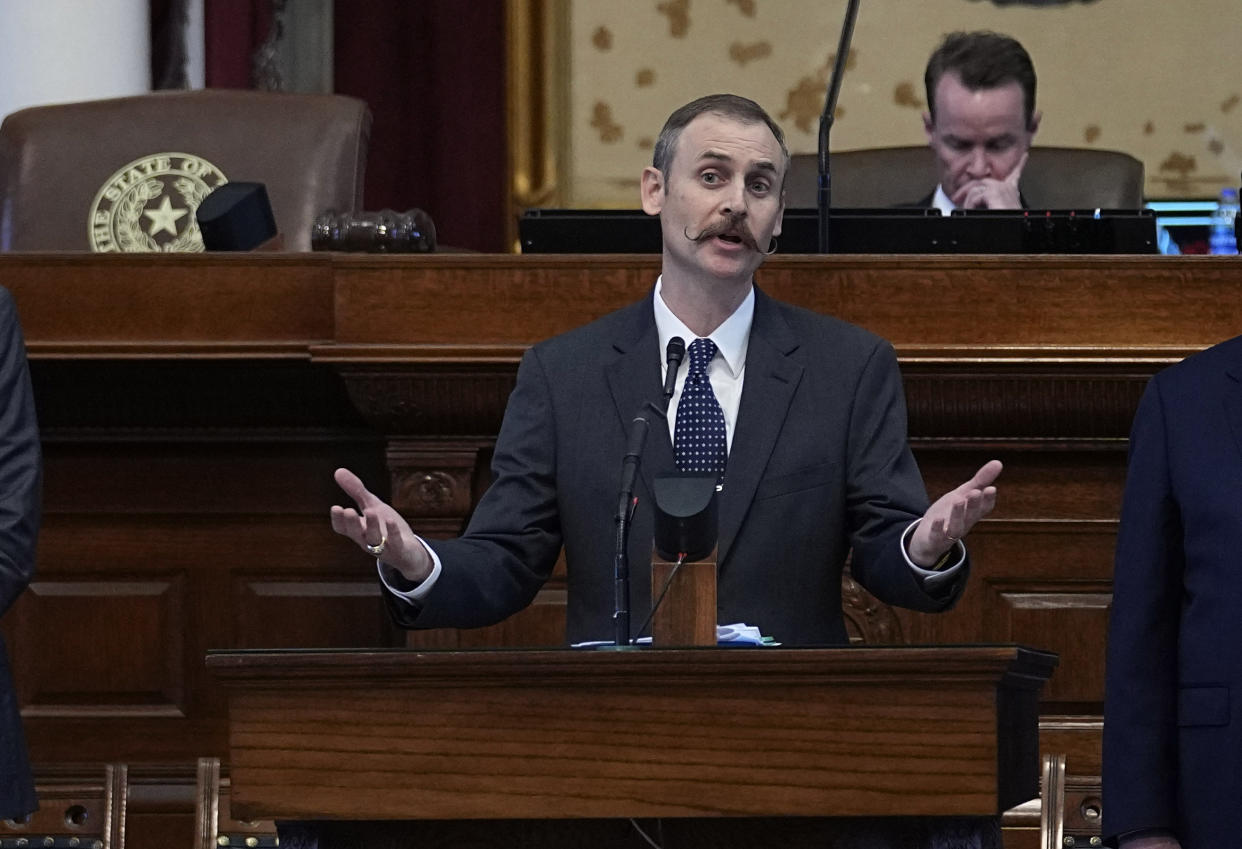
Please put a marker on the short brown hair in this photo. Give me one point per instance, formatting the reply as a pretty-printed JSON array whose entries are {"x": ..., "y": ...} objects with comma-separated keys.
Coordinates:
[
  {"x": 982, "y": 59},
  {"x": 730, "y": 106}
]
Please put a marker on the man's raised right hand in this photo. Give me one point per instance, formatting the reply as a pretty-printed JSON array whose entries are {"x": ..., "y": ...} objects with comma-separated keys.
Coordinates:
[{"x": 379, "y": 530}]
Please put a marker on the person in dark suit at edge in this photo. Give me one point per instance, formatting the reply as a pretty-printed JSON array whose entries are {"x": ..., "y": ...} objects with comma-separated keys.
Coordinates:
[
  {"x": 20, "y": 480},
  {"x": 813, "y": 456},
  {"x": 980, "y": 120},
  {"x": 1173, "y": 690}
]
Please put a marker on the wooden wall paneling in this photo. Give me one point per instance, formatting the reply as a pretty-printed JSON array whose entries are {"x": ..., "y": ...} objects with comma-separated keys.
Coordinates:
[
  {"x": 218, "y": 474},
  {"x": 161, "y": 806},
  {"x": 473, "y": 308},
  {"x": 245, "y": 581},
  {"x": 541, "y": 625},
  {"x": 148, "y": 306},
  {"x": 117, "y": 649},
  {"x": 309, "y": 607},
  {"x": 987, "y": 307}
]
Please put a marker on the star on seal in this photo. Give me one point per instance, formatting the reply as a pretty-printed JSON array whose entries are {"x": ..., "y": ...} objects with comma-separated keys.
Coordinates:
[{"x": 164, "y": 217}]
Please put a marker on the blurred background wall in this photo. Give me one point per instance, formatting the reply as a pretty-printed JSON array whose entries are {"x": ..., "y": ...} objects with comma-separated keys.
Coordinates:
[
  {"x": 485, "y": 108},
  {"x": 1156, "y": 79}
]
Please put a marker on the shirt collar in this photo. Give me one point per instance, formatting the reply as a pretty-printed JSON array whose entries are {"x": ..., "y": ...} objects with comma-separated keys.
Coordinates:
[
  {"x": 732, "y": 337},
  {"x": 941, "y": 201}
]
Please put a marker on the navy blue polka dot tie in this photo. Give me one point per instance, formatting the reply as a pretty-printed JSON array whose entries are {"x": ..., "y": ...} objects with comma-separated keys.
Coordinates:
[{"x": 699, "y": 443}]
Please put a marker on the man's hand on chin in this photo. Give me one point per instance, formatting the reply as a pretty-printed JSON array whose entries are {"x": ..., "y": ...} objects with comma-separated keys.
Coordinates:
[{"x": 989, "y": 193}]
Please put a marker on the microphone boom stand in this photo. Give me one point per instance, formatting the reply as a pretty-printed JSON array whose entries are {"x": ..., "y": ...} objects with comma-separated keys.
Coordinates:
[
  {"x": 824, "y": 197},
  {"x": 625, "y": 512}
]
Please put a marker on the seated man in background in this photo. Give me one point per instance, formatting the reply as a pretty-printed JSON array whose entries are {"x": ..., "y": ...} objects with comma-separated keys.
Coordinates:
[
  {"x": 800, "y": 415},
  {"x": 20, "y": 476},
  {"x": 980, "y": 120}
]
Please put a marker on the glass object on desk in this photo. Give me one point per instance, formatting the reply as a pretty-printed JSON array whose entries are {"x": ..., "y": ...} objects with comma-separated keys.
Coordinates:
[
  {"x": 1222, "y": 239},
  {"x": 385, "y": 231}
]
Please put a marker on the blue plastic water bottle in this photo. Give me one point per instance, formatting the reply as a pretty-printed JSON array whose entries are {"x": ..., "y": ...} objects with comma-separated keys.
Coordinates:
[{"x": 1222, "y": 238}]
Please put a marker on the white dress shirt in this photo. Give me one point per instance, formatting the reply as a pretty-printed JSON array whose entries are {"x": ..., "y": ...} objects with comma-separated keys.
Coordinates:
[{"x": 941, "y": 201}]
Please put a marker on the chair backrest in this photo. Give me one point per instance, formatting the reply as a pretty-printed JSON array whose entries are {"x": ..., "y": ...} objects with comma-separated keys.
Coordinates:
[
  {"x": 128, "y": 173},
  {"x": 215, "y": 826},
  {"x": 1054, "y": 178},
  {"x": 78, "y": 807}
]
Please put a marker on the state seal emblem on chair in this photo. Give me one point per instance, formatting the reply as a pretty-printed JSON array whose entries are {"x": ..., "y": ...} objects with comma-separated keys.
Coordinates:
[{"x": 149, "y": 204}]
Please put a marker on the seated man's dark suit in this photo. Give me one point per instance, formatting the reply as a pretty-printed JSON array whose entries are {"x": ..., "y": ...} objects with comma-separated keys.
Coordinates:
[
  {"x": 926, "y": 202},
  {"x": 929, "y": 200},
  {"x": 818, "y": 463},
  {"x": 20, "y": 472},
  {"x": 1173, "y": 706}
]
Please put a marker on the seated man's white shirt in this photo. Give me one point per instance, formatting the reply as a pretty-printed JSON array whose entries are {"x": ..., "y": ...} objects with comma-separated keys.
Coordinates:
[{"x": 941, "y": 201}]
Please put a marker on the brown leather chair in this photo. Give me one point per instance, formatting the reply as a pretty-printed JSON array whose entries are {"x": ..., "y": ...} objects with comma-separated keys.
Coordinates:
[
  {"x": 1054, "y": 178},
  {"x": 126, "y": 174}
]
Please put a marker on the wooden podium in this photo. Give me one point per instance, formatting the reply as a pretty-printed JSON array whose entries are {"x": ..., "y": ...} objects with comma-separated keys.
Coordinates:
[{"x": 740, "y": 746}]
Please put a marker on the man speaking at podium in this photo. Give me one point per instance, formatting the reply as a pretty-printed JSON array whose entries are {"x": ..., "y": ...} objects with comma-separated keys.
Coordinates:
[{"x": 801, "y": 416}]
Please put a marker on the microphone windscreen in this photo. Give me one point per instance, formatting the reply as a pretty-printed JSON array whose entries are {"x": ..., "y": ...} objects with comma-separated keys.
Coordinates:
[
  {"x": 685, "y": 516},
  {"x": 236, "y": 217},
  {"x": 676, "y": 349}
]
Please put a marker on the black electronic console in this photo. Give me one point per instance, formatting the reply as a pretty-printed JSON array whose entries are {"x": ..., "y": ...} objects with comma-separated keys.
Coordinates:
[{"x": 868, "y": 231}]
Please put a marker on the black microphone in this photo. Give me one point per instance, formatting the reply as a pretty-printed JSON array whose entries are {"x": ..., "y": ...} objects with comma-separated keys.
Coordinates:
[
  {"x": 621, "y": 561},
  {"x": 825, "y": 122},
  {"x": 236, "y": 217},
  {"x": 674, "y": 354}
]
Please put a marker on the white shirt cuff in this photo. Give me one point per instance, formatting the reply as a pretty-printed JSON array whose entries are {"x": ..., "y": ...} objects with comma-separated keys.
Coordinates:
[
  {"x": 931, "y": 578},
  {"x": 419, "y": 592}
]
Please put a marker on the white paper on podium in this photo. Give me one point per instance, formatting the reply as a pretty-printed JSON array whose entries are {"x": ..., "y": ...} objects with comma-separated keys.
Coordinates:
[{"x": 738, "y": 633}]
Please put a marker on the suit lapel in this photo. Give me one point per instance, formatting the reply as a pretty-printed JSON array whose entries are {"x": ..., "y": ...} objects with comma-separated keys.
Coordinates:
[
  {"x": 634, "y": 380},
  {"x": 770, "y": 383}
]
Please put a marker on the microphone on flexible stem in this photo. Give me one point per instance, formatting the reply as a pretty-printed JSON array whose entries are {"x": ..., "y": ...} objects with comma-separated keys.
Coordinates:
[
  {"x": 621, "y": 560},
  {"x": 674, "y": 354},
  {"x": 825, "y": 122}
]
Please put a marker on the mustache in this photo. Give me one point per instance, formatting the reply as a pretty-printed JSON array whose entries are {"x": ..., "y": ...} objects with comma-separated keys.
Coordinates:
[{"x": 734, "y": 224}]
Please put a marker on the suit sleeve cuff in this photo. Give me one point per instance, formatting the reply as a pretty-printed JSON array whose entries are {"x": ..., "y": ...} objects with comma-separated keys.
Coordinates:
[
  {"x": 398, "y": 585},
  {"x": 943, "y": 575}
]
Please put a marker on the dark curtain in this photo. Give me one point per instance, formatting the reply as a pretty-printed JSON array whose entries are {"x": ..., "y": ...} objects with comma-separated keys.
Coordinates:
[
  {"x": 433, "y": 73},
  {"x": 232, "y": 31},
  {"x": 169, "y": 19}
]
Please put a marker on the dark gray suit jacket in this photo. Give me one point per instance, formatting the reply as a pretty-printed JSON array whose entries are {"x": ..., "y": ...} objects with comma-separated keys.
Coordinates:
[
  {"x": 819, "y": 463},
  {"x": 20, "y": 473},
  {"x": 1173, "y": 698}
]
